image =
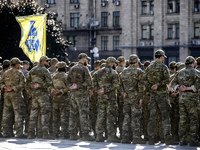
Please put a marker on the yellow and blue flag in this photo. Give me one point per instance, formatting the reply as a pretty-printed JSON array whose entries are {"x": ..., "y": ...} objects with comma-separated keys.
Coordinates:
[{"x": 33, "y": 35}]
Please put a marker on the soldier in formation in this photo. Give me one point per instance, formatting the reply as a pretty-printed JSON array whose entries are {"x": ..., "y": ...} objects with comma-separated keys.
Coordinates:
[{"x": 82, "y": 102}]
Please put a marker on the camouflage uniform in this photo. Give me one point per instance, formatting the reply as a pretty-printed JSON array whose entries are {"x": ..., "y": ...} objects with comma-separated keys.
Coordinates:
[
  {"x": 106, "y": 78},
  {"x": 13, "y": 100},
  {"x": 93, "y": 104},
  {"x": 158, "y": 74},
  {"x": 5, "y": 63},
  {"x": 188, "y": 101},
  {"x": 80, "y": 75},
  {"x": 40, "y": 98},
  {"x": 60, "y": 103},
  {"x": 174, "y": 101},
  {"x": 27, "y": 98},
  {"x": 120, "y": 100},
  {"x": 130, "y": 80}
]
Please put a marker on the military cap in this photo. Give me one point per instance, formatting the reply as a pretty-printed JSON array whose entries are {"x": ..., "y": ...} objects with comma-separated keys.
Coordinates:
[
  {"x": 172, "y": 64},
  {"x": 25, "y": 62},
  {"x": 61, "y": 64},
  {"x": 111, "y": 60},
  {"x": 103, "y": 65},
  {"x": 83, "y": 55},
  {"x": 97, "y": 63},
  {"x": 72, "y": 64},
  {"x": 120, "y": 59},
  {"x": 15, "y": 60},
  {"x": 189, "y": 60},
  {"x": 103, "y": 61},
  {"x": 146, "y": 63},
  {"x": 133, "y": 58},
  {"x": 198, "y": 59},
  {"x": 44, "y": 58},
  {"x": 6, "y": 62},
  {"x": 180, "y": 66},
  {"x": 54, "y": 60},
  {"x": 160, "y": 52},
  {"x": 35, "y": 63}
]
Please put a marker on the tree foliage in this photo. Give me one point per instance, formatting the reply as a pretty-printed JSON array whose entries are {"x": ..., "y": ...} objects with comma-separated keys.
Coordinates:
[{"x": 10, "y": 32}]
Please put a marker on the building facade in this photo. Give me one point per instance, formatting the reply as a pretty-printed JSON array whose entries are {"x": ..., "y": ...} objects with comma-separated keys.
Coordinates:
[{"x": 119, "y": 27}]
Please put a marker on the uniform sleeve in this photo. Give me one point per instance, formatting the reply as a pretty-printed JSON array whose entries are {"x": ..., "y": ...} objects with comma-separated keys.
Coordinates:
[
  {"x": 174, "y": 83},
  {"x": 65, "y": 90},
  {"x": 95, "y": 82},
  {"x": 87, "y": 80},
  {"x": 141, "y": 84},
  {"x": 20, "y": 85},
  {"x": 2, "y": 82}
]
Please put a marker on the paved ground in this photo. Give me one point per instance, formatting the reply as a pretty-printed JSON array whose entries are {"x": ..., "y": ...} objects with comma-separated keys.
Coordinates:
[{"x": 40, "y": 144}]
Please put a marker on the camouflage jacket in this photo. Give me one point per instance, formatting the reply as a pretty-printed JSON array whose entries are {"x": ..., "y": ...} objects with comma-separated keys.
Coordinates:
[
  {"x": 52, "y": 70},
  {"x": 40, "y": 75},
  {"x": 92, "y": 72},
  {"x": 59, "y": 80},
  {"x": 157, "y": 73},
  {"x": 189, "y": 77},
  {"x": 80, "y": 75},
  {"x": 119, "y": 69},
  {"x": 106, "y": 78},
  {"x": 130, "y": 80},
  {"x": 13, "y": 78},
  {"x": 25, "y": 72}
]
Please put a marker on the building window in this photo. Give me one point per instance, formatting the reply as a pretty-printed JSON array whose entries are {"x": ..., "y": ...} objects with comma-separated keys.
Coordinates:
[
  {"x": 116, "y": 16},
  {"x": 72, "y": 39},
  {"x": 74, "y": 20},
  {"x": 196, "y": 30},
  {"x": 177, "y": 34},
  {"x": 104, "y": 43},
  {"x": 144, "y": 32},
  {"x": 144, "y": 7},
  {"x": 151, "y": 8},
  {"x": 173, "y": 6},
  {"x": 51, "y": 1},
  {"x": 196, "y": 5},
  {"x": 151, "y": 32},
  {"x": 115, "y": 42},
  {"x": 170, "y": 31},
  {"x": 74, "y": 1},
  {"x": 104, "y": 19}
]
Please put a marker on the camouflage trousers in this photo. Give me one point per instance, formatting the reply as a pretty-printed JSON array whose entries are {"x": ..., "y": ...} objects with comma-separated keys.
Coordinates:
[
  {"x": 93, "y": 106},
  {"x": 132, "y": 116},
  {"x": 60, "y": 111},
  {"x": 159, "y": 103},
  {"x": 40, "y": 105},
  {"x": 107, "y": 114},
  {"x": 145, "y": 113},
  {"x": 188, "y": 111},
  {"x": 174, "y": 116},
  {"x": 120, "y": 119},
  {"x": 13, "y": 102},
  {"x": 79, "y": 111}
]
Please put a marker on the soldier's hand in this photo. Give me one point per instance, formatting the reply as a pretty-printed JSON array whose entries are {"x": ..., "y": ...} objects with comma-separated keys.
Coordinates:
[
  {"x": 35, "y": 86},
  {"x": 91, "y": 93},
  {"x": 73, "y": 87},
  {"x": 182, "y": 88},
  {"x": 140, "y": 103},
  {"x": 55, "y": 92},
  {"x": 125, "y": 95},
  {"x": 154, "y": 87},
  {"x": 8, "y": 89},
  {"x": 100, "y": 91}
]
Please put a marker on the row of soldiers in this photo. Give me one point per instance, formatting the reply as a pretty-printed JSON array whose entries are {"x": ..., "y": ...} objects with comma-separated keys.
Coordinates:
[{"x": 137, "y": 102}]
